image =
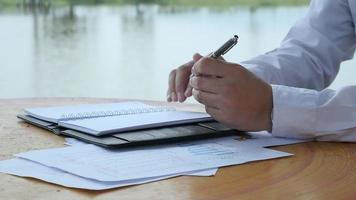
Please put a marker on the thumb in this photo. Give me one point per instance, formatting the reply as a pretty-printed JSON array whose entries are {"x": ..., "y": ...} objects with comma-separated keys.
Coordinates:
[{"x": 197, "y": 57}]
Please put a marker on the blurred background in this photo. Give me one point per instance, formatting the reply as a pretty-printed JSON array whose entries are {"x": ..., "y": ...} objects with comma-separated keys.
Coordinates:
[{"x": 126, "y": 48}]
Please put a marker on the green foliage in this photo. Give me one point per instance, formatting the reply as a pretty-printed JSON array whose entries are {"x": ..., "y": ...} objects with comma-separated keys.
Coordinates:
[
  {"x": 176, "y": 2},
  {"x": 231, "y": 2}
]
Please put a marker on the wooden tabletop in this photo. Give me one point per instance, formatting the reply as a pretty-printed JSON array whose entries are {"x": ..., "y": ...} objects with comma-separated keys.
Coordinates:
[{"x": 318, "y": 170}]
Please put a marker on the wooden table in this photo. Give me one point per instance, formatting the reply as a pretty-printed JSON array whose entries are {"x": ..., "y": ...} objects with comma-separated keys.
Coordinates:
[{"x": 319, "y": 170}]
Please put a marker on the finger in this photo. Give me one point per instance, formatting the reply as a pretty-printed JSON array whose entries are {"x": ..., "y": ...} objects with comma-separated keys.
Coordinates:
[
  {"x": 215, "y": 113},
  {"x": 206, "y": 83},
  {"x": 208, "y": 99},
  {"x": 197, "y": 57},
  {"x": 188, "y": 91},
  {"x": 211, "y": 67},
  {"x": 182, "y": 80},
  {"x": 171, "y": 95},
  {"x": 212, "y": 111},
  {"x": 220, "y": 57}
]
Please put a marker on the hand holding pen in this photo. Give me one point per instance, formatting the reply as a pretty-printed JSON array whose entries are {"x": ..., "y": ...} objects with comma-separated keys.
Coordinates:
[
  {"x": 227, "y": 46},
  {"x": 230, "y": 93},
  {"x": 179, "y": 88}
]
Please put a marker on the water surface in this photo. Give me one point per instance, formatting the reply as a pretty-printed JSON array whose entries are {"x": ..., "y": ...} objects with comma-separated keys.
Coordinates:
[{"x": 127, "y": 51}]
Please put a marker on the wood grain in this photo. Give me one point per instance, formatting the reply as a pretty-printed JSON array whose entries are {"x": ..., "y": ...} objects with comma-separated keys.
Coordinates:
[{"x": 319, "y": 170}]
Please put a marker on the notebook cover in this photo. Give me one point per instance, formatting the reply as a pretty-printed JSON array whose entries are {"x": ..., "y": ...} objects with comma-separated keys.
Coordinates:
[{"x": 141, "y": 137}]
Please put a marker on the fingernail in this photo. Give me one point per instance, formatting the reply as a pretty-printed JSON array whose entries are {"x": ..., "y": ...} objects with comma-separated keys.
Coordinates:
[
  {"x": 174, "y": 96},
  {"x": 180, "y": 97},
  {"x": 186, "y": 93},
  {"x": 169, "y": 98}
]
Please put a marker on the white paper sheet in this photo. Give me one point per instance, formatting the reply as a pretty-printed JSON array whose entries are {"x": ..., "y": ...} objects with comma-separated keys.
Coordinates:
[
  {"x": 205, "y": 172},
  {"x": 120, "y": 165},
  {"x": 259, "y": 139},
  {"x": 208, "y": 172},
  {"x": 114, "y": 124},
  {"x": 256, "y": 139},
  {"x": 26, "y": 168},
  {"x": 57, "y": 113}
]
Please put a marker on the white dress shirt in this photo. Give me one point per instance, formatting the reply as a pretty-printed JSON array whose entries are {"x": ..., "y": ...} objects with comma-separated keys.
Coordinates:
[{"x": 304, "y": 65}]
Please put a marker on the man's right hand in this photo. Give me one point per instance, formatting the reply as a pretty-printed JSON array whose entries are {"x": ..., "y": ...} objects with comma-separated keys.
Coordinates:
[{"x": 179, "y": 88}]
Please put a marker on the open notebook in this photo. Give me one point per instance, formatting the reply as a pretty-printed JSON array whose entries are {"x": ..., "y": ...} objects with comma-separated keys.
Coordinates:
[{"x": 103, "y": 119}]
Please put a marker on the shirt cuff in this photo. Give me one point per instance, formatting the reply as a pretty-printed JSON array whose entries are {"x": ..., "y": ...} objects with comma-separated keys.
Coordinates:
[{"x": 294, "y": 112}]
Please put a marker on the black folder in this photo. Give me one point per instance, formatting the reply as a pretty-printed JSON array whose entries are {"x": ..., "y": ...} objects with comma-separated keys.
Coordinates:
[{"x": 149, "y": 136}]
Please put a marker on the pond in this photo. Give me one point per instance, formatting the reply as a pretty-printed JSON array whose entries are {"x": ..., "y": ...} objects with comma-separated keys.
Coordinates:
[{"x": 126, "y": 51}]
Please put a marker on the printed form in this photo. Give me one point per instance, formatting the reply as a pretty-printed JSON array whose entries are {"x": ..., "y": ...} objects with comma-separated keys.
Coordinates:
[
  {"x": 201, "y": 154},
  {"x": 96, "y": 163}
]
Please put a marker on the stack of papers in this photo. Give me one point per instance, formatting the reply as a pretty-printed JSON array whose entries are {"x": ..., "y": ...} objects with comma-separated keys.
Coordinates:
[{"x": 91, "y": 167}]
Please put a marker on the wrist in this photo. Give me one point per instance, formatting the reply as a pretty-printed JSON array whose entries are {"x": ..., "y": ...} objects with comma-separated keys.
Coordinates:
[{"x": 268, "y": 109}]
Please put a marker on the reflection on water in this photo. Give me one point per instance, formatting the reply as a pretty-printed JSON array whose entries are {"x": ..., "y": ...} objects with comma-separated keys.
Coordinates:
[{"x": 124, "y": 51}]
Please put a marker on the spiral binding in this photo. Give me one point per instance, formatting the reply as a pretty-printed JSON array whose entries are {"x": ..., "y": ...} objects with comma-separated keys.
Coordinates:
[{"x": 97, "y": 114}]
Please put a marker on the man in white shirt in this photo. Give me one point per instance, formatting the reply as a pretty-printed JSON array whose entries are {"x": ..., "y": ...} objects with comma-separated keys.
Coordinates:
[{"x": 283, "y": 91}]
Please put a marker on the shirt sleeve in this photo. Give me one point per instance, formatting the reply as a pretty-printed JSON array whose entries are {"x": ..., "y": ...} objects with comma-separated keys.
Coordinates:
[
  {"x": 303, "y": 66},
  {"x": 311, "y": 53},
  {"x": 326, "y": 115}
]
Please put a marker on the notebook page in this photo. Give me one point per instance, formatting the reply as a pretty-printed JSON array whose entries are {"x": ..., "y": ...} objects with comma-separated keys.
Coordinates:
[
  {"x": 106, "y": 125},
  {"x": 56, "y": 114}
]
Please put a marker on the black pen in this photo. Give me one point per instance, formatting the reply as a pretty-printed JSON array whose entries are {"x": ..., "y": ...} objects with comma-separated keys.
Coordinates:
[
  {"x": 222, "y": 50},
  {"x": 225, "y": 47}
]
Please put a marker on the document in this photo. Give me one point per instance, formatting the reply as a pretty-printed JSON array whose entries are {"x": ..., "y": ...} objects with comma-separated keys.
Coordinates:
[
  {"x": 101, "y": 164},
  {"x": 258, "y": 139},
  {"x": 221, "y": 151},
  {"x": 208, "y": 172},
  {"x": 26, "y": 168}
]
